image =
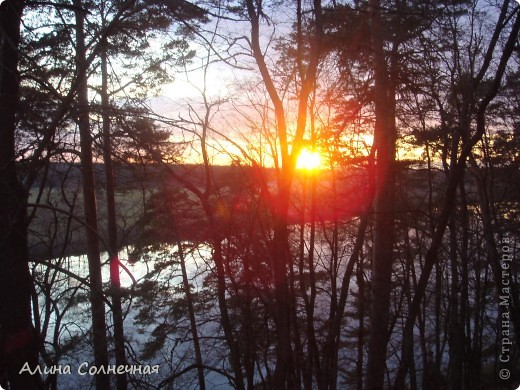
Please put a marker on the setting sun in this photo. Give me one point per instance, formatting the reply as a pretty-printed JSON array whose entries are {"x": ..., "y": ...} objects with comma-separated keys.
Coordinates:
[{"x": 308, "y": 160}]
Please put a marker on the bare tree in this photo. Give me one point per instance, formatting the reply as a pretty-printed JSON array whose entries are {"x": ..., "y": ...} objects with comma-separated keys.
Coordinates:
[{"x": 459, "y": 156}]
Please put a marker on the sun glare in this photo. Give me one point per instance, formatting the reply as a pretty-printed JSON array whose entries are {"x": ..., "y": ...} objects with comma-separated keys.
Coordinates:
[{"x": 308, "y": 160}]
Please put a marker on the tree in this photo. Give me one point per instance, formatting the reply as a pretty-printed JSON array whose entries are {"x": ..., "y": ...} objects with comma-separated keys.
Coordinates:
[
  {"x": 284, "y": 373},
  {"x": 18, "y": 345},
  {"x": 459, "y": 156},
  {"x": 90, "y": 209},
  {"x": 385, "y": 143}
]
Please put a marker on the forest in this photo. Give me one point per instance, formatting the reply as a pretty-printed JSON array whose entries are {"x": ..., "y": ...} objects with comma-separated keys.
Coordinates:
[{"x": 259, "y": 194}]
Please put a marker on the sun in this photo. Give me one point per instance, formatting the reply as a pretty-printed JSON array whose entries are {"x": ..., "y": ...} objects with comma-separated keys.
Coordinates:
[{"x": 308, "y": 160}]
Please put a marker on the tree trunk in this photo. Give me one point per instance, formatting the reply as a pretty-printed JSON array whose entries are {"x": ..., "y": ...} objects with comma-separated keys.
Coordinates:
[
  {"x": 456, "y": 336},
  {"x": 89, "y": 201},
  {"x": 281, "y": 252},
  {"x": 234, "y": 347},
  {"x": 113, "y": 247},
  {"x": 360, "y": 277},
  {"x": 18, "y": 344},
  {"x": 384, "y": 139},
  {"x": 191, "y": 313}
]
